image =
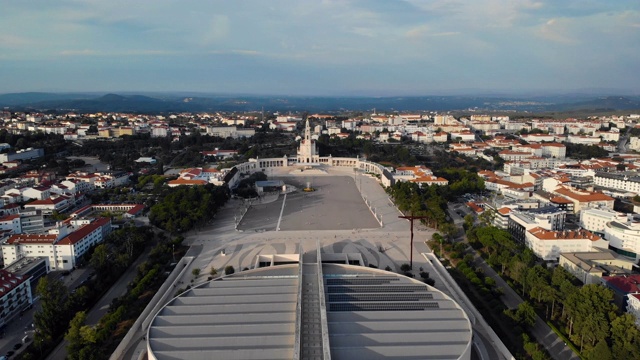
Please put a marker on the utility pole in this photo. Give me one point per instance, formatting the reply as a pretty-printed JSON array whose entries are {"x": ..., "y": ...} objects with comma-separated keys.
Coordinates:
[{"x": 411, "y": 218}]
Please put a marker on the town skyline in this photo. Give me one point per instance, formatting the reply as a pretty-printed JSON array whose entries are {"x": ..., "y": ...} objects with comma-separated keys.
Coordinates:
[{"x": 328, "y": 48}]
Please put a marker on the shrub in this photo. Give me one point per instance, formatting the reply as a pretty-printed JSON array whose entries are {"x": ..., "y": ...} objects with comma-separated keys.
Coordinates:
[{"x": 228, "y": 270}]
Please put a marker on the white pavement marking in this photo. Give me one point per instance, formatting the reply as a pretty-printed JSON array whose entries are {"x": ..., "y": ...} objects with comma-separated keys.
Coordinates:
[{"x": 281, "y": 211}]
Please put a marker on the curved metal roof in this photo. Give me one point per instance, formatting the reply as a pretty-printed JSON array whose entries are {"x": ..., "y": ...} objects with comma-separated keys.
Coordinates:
[{"x": 368, "y": 314}]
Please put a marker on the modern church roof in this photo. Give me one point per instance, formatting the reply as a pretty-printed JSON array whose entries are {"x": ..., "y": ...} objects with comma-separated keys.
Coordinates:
[{"x": 337, "y": 311}]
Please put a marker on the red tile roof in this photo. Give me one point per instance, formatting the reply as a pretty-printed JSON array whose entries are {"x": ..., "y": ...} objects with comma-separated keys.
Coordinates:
[
  {"x": 9, "y": 281},
  {"x": 81, "y": 233},
  {"x": 625, "y": 284},
  {"x": 32, "y": 239}
]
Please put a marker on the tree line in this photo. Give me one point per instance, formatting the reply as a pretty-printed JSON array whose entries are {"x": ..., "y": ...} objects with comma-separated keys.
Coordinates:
[{"x": 185, "y": 207}]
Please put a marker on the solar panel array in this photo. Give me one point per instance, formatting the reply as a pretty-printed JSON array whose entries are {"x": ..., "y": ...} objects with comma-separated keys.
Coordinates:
[{"x": 370, "y": 293}]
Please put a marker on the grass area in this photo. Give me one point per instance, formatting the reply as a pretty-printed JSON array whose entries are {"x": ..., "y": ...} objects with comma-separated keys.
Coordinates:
[{"x": 564, "y": 338}]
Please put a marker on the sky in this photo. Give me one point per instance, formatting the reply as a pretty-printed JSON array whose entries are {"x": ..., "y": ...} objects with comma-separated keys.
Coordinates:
[{"x": 320, "y": 47}]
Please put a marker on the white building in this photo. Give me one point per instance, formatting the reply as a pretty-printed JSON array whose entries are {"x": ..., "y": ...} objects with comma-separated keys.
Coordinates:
[
  {"x": 633, "y": 306},
  {"x": 548, "y": 245},
  {"x": 596, "y": 219},
  {"x": 37, "y": 192},
  {"x": 15, "y": 296},
  {"x": 625, "y": 181},
  {"x": 624, "y": 236},
  {"x": 48, "y": 206},
  {"x": 11, "y": 223},
  {"x": 61, "y": 245},
  {"x": 159, "y": 131}
]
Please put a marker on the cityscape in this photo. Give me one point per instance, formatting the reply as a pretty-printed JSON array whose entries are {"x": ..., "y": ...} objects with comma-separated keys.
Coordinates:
[{"x": 320, "y": 180}]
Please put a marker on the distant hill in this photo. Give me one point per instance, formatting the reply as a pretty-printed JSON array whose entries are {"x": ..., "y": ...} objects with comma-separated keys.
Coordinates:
[
  {"x": 610, "y": 103},
  {"x": 180, "y": 103},
  {"x": 33, "y": 97}
]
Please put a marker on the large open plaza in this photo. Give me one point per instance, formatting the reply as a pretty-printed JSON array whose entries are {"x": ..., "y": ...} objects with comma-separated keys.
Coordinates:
[{"x": 333, "y": 204}]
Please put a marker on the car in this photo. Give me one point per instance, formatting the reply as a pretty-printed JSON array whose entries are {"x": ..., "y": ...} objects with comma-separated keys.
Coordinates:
[
  {"x": 17, "y": 346},
  {"x": 9, "y": 353}
]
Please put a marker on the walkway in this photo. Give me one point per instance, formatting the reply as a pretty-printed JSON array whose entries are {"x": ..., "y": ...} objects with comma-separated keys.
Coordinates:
[{"x": 311, "y": 331}]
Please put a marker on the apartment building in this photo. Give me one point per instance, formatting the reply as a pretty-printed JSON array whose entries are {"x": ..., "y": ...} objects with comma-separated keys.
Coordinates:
[
  {"x": 548, "y": 244},
  {"x": 624, "y": 181}
]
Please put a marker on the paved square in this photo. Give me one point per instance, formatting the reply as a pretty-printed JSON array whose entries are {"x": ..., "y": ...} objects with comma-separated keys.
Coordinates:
[{"x": 336, "y": 204}]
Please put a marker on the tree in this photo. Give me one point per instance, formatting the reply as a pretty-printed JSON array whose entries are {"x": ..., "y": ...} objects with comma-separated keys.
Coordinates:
[
  {"x": 73, "y": 335},
  {"x": 600, "y": 352},
  {"x": 405, "y": 267},
  {"x": 228, "y": 270},
  {"x": 195, "y": 272},
  {"x": 526, "y": 314},
  {"x": 625, "y": 337},
  {"x": 80, "y": 337},
  {"x": 100, "y": 259},
  {"x": 51, "y": 320},
  {"x": 213, "y": 271},
  {"x": 468, "y": 221}
]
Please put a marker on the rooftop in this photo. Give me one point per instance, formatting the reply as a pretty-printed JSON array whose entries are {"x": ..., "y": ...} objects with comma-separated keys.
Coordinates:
[{"x": 370, "y": 314}]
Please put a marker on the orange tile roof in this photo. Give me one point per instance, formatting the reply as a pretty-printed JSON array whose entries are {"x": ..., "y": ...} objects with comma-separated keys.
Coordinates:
[
  {"x": 544, "y": 234},
  {"x": 187, "y": 182},
  {"x": 504, "y": 210},
  {"x": 591, "y": 196}
]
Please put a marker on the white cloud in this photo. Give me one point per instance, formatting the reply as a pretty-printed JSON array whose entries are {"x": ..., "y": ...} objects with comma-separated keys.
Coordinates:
[
  {"x": 556, "y": 30},
  {"x": 13, "y": 41},
  {"x": 93, "y": 52}
]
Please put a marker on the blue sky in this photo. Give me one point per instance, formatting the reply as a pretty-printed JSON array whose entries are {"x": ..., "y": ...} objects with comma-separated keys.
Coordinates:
[{"x": 320, "y": 47}]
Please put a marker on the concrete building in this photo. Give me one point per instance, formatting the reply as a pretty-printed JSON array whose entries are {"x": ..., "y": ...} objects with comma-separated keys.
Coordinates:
[
  {"x": 15, "y": 296},
  {"x": 624, "y": 236},
  {"x": 548, "y": 245},
  {"x": 311, "y": 310},
  {"x": 583, "y": 199},
  {"x": 63, "y": 245},
  {"x": 32, "y": 268},
  {"x": 31, "y": 221},
  {"x": 26, "y": 154},
  {"x": 633, "y": 306},
  {"x": 59, "y": 203},
  {"x": 547, "y": 217},
  {"x": 625, "y": 181},
  {"x": 590, "y": 267},
  {"x": 596, "y": 219}
]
